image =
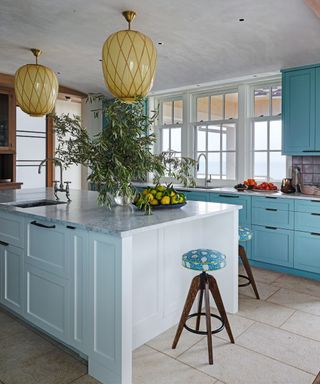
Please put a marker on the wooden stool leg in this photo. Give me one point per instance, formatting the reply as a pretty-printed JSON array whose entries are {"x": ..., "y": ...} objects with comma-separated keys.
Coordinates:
[
  {"x": 199, "y": 308},
  {"x": 208, "y": 320},
  {"x": 194, "y": 288},
  {"x": 218, "y": 300},
  {"x": 245, "y": 262}
]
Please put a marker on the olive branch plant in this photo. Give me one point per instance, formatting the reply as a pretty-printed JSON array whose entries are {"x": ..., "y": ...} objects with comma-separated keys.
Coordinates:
[{"x": 120, "y": 153}]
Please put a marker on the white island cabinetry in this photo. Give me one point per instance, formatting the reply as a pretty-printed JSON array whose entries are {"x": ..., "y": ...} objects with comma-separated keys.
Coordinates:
[{"x": 105, "y": 282}]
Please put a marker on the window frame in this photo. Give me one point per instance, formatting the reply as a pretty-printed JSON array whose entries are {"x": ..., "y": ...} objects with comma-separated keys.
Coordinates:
[
  {"x": 244, "y": 130},
  {"x": 195, "y": 124},
  {"x": 263, "y": 118}
]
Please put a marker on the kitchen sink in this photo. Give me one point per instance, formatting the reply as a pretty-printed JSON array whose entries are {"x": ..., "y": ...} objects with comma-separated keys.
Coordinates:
[{"x": 36, "y": 203}]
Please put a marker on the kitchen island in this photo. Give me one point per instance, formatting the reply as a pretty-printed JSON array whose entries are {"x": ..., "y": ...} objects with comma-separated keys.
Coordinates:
[{"x": 105, "y": 281}]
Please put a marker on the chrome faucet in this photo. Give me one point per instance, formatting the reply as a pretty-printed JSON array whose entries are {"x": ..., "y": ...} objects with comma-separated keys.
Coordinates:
[
  {"x": 207, "y": 179},
  {"x": 57, "y": 188}
]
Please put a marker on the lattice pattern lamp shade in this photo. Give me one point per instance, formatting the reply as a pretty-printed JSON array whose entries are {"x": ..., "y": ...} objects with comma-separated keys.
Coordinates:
[
  {"x": 36, "y": 89},
  {"x": 129, "y": 63}
]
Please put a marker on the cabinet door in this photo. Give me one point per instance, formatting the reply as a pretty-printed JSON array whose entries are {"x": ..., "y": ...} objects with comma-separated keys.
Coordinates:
[
  {"x": 298, "y": 111},
  {"x": 7, "y": 120},
  {"x": 272, "y": 245},
  {"x": 306, "y": 251},
  {"x": 318, "y": 109},
  {"x": 48, "y": 302},
  {"x": 11, "y": 265}
]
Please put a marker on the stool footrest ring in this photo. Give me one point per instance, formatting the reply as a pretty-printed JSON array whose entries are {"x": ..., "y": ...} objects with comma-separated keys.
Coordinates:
[
  {"x": 244, "y": 284},
  {"x": 217, "y": 330}
]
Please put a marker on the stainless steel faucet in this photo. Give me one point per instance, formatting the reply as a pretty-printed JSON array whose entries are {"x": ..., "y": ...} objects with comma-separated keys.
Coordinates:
[
  {"x": 206, "y": 179},
  {"x": 57, "y": 188}
]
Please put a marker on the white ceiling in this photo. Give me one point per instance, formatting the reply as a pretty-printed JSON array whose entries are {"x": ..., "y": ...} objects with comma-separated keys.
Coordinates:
[{"x": 203, "y": 40}]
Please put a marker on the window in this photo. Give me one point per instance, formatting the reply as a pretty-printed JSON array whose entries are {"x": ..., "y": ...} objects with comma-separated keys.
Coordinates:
[
  {"x": 171, "y": 120},
  {"x": 268, "y": 163},
  {"x": 215, "y": 135}
]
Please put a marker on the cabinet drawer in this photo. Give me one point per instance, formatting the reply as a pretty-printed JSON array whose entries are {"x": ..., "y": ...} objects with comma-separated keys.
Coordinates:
[
  {"x": 312, "y": 206},
  {"x": 309, "y": 222},
  {"x": 306, "y": 252},
  {"x": 281, "y": 204},
  {"x": 245, "y": 201},
  {"x": 46, "y": 247},
  {"x": 197, "y": 196},
  {"x": 272, "y": 245},
  {"x": 11, "y": 229},
  {"x": 272, "y": 217}
]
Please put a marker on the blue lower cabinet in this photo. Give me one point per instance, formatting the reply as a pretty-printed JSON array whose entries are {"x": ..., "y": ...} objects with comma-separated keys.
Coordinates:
[
  {"x": 230, "y": 198},
  {"x": 196, "y": 196},
  {"x": 307, "y": 251},
  {"x": 272, "y": 245}
]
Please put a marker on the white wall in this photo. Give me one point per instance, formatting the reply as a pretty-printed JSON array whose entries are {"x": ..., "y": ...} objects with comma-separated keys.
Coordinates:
[{"x": 73, "y": 173}]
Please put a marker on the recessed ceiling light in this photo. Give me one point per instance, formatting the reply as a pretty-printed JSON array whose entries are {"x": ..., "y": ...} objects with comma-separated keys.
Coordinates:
[
  {"x": 58, "y": 73},
  {"x": 160, "y": 43},
  {"x": 100, "y": 59},
  {"x": 241, "y": 19}
]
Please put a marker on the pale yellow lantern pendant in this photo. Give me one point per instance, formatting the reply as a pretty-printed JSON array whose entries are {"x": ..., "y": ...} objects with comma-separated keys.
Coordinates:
[
  {"x": 129, "y": 62},
  {"x": 36, "y": 88}
]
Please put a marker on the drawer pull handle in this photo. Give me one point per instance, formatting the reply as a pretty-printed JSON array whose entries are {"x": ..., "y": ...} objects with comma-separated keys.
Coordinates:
[
  {"x": 231, "y": 196},
  {"x": 270, "y": 197},
  {"x": 70, "y": 227},
  {"x": 3, "y": 243},
  {"x": 315, "y": 234},
  {"x": 315, "y": 201},
  {"x": 42, "y": 225},
  {"x": 274, "y": 228},
  {"x": 271, "y": 209},
  {"x": 310, "y": 150},
  {"x": 315, "y": 214}
]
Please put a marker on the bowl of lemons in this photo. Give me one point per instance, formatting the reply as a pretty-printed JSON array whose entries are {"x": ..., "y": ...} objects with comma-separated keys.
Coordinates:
[{"x": 160, "y": 197}]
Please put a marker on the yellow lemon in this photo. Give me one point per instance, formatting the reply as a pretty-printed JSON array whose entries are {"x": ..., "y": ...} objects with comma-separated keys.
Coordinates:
[
  {"x": 165, "y": 200},
  {"x": 154, "y": 192},
  {"x": 161, "y": 188},
  {"x": 149, "y": 196},
  {"x": 154, "y": 202},
  {"x": 175, "y": 199},
  {"x": 159, "y": 195}
]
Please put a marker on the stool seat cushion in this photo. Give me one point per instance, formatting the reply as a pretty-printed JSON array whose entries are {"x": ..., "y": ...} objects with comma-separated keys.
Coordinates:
[
  {"x": 204, "y": 260},
  {"x": 245, "y": 234}
]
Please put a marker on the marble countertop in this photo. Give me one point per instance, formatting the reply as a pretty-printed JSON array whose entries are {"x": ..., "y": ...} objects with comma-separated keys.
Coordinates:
[
  {"x": 83, "y": 212},
  {"x": 244, "y": 193}
]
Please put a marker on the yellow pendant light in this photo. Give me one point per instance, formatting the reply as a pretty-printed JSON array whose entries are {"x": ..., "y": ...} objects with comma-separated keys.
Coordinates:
[
  {"x": 129, "y": 62},
  {"x": 36, "y": 88}
]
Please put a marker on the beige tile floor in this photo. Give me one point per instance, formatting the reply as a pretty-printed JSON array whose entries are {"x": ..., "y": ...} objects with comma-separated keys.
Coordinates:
[{"x": 277, "y": 342}]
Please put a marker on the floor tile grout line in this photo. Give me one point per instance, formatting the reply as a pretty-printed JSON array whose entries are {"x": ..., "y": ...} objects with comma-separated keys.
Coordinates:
[
  {"x": 295, "y": 309},
  {"x": 253, "y": 297},
  {"x": 184, "y": 363},
  {"x": 279, "y": 327},
  {"x": 275, "y": 359},
  {"x": 85, "y": 374},
  {"x": 261, "y": 354}
]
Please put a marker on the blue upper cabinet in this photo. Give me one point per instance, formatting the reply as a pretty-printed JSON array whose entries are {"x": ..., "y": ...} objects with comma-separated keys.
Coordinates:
[
  {"x": 317, "y": 107},
  {"x": 299, "y": 111}
]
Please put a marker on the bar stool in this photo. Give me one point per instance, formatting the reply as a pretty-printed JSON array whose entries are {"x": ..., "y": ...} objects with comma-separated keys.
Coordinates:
[
  {"x": 203, "y": 260},
  {"x": 245, "y": 234}
]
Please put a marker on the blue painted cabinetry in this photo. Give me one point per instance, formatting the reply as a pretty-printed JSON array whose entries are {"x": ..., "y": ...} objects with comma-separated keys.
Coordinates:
[
  {"x": 307, "y": 235},
  {"x": 236, "y": 199},
  {"x": 301, "y": 111},
  {"x": 273, "y": 221}
]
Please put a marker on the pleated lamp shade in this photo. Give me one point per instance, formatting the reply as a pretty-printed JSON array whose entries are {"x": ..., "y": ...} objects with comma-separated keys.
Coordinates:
[
  {"x": 36, "y": 89},
  {"x": 129, "y": 63}
]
